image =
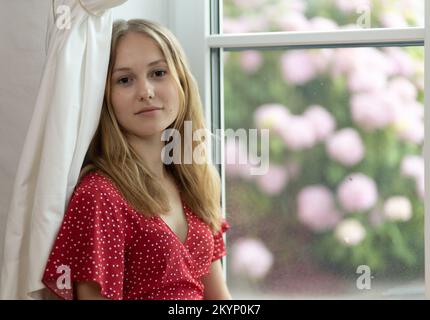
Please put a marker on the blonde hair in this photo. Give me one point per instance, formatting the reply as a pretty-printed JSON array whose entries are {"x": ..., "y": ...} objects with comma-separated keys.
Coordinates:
[{"x": 111, "y": 154}]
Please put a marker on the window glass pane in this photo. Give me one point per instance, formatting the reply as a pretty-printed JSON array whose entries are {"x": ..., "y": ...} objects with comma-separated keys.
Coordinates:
[
  {"x": 242, "y": 16},
  {"x": 339, "y": 211}
]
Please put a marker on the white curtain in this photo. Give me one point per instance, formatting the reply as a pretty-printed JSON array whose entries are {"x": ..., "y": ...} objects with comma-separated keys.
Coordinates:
[{"x": 64, "y": 120}]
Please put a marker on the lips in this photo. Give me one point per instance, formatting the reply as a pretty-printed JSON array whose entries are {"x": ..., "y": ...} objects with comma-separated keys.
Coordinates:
[{"x": 147, "y": 109}]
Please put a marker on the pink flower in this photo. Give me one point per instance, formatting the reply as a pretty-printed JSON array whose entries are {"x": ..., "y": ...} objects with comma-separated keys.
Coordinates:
[
  {"x": 292, "y": 5},
  {"x": 405, "y": 92},
  {"x": 322, "y": 121},
  {"x": 416, "y": 108},
  {"x": 298, "y": 133},
  {"x": 373, "y": 110},
  {"x": 274, "y": 181},
  {"x": 414, "y": 132},
  {"x": 293, "y": 21},
  {"x": 344, "y": 61},
  {"x": 349, "y": 60},
  {"x": 323, "y": 24},
  {"x": 357, "y": 193},
  {"x": 251, "y": 258},
  {"x": 316, "y": 208},
  {"x": 372, "y": 59},
  {"x": 402, "y": 63},
  {"x": 412, "y": 166},
  {"x": 392, "y": 20},
  {"x": 404, "y": 89},
  {"x": 407, "y": 113},
  {"x": 346, "y": 147},
  {"x": 322, "y": 58},
  {"x": 409, "y": 126},
  {"x": 271, "y": 116},
  {"x": 298, "y": 67},
  {"x": 366, "y": 80},
  {"x": 250, "y": 61}
]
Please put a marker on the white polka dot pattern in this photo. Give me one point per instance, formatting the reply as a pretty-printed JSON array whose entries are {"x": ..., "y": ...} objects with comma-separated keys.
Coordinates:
[{"x": 104, "y": 239}]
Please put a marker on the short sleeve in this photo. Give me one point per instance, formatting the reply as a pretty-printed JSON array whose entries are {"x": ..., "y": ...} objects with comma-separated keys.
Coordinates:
[
  {"x": 89, "y": 246},
  {"x": 219, "y": 244}
]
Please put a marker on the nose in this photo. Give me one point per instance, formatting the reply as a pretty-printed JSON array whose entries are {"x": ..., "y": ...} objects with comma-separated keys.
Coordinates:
[{"x": 146, "y": 89}]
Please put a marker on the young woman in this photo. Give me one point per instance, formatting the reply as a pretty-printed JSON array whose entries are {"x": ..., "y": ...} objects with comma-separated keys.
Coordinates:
[{"x": 135, "y": 227}]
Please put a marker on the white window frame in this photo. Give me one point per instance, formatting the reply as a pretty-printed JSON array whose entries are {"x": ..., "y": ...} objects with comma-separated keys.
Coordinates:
[
  {"x": 190, "y": 21},
  {"x": 427, "y": 148}
]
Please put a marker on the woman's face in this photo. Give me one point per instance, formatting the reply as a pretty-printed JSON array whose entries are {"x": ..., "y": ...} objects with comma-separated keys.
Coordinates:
[{"x": 140, "y": 71}]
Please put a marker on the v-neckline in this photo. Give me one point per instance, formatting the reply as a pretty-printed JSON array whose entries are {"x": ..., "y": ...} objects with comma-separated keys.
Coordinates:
[
  {"x": 187, "y": 220},
  {"x": 184, "y": 212}
]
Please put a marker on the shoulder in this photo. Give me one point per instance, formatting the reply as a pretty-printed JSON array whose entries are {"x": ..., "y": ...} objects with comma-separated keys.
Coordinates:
[
  {"x": 94, "y": 180},
  {"x": 94, "y": 187},
  {"x": 96, "y": 198}
]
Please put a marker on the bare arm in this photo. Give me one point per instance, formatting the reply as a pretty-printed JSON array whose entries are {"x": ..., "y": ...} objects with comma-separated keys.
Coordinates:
[
  {"x": 88, "y": 290},
  {"x": 215, "y": 284}
]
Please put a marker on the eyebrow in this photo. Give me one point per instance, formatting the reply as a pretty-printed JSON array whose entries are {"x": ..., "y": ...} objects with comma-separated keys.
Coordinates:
[{"x": 149, "y": 65}]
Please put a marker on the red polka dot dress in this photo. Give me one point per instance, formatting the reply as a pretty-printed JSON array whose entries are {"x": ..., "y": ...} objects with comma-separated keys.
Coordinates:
[{"x": 103, "y": 239}]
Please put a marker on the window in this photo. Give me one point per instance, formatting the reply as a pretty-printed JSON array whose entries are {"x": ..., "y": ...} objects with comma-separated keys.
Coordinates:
[
  {"x": 340, "y": 210},
  {"x": 343, "y": 193}
]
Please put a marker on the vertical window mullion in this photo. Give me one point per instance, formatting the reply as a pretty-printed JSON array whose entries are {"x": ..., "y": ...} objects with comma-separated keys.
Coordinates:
[
  {"x": 217, "y": 105},
  {"x": 427, "y": 148}
]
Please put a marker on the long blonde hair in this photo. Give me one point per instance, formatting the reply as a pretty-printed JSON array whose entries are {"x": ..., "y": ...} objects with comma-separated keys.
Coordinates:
[{"x": 110, "y": 152}]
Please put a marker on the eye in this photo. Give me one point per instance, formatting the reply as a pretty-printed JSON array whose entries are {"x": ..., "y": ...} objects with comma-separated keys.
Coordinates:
[
  {"x": 124, "y": 80},
  {"x": 160, "y": 73}
]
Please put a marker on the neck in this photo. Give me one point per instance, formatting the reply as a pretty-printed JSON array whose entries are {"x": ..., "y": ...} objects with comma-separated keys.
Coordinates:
[{"x": 149, "y": 148}]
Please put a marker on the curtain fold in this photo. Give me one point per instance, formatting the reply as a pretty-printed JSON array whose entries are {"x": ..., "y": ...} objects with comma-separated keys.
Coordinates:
[{"x": 64, "y": 120}]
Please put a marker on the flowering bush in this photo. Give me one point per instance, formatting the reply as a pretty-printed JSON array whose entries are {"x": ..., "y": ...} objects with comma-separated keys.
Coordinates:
[{"x": 345, "y": 185}]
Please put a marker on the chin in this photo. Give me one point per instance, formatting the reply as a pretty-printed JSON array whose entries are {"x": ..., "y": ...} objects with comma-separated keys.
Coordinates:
[{"x": 155, "y": 129}]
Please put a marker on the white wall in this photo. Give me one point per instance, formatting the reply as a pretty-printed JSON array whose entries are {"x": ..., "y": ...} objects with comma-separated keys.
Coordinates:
[
  {"x": 22, "y": 53},
  {"x": 155, "y": 10},
  {"x": 189, "y": 21}
]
